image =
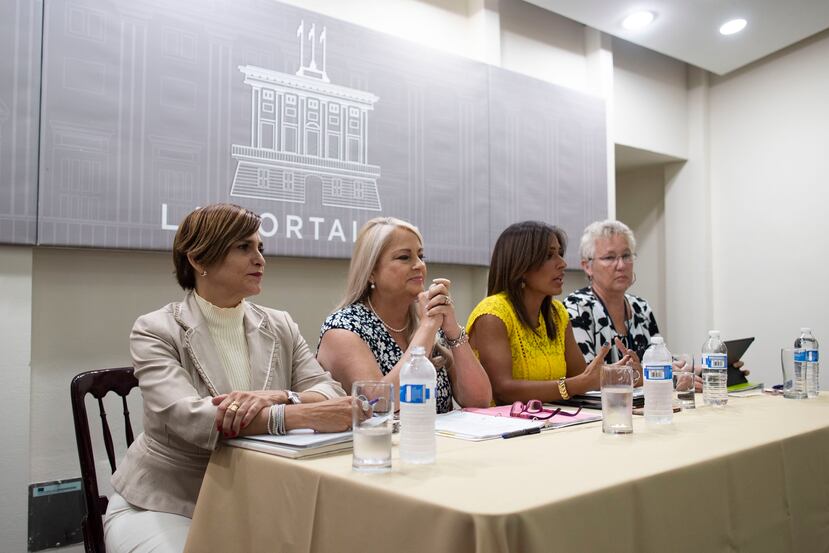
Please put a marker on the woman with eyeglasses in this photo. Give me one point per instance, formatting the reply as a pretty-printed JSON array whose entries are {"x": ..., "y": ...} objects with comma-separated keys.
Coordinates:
[
  {"x": 522, "y": 335},
  {"x": 604, "y": 311}
]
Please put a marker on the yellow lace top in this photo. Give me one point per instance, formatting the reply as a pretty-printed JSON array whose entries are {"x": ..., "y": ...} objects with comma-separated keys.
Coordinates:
[{"x": 534, "y": 356}]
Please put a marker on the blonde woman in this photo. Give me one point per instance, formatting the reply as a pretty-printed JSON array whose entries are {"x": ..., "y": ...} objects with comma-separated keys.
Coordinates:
[{"x": 386, "y": 311}]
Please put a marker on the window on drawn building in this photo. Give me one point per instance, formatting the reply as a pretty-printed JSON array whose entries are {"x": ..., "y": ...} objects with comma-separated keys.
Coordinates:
[
  {"x": 333, "y": 147},
  {"x": 312, "y": 141},
  {"x": 262, "y": 175},
  {"x": 337, "y": 187},
  {"x": 289, "y": 139},
  {"x": 288, "y": 182},
  {"x": 353, "y": 150},
  {"x": 359, "y": 190}
]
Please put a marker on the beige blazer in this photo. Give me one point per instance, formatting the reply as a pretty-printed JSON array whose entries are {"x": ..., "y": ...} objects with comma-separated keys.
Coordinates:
[{"x": 179, "y": 371}]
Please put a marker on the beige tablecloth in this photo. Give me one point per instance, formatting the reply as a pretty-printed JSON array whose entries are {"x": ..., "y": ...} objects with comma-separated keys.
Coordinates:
[{"x": 753, "y": 476}]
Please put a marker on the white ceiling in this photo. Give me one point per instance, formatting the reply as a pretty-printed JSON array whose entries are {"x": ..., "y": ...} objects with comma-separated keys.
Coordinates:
[{"x": 688, "y": 30}]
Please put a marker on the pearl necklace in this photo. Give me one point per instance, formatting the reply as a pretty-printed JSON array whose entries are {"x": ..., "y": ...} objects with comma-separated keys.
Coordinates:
[{"x": 384, "y": 322}]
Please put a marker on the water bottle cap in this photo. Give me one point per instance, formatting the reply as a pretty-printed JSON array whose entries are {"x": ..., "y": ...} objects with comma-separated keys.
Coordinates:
[
  {"x": 713, "y": 333},
  {"x": 805, "y": 330},
  {"x": 657, "y": 340},
  {"x": 418, "y": 350}
]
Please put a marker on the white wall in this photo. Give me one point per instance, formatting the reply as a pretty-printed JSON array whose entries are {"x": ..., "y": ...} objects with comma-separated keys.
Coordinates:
[
  {"x": 445, "y": 25},
  {"x": 15, "y": 345},
  {"x": 650, "y": 95},
  {"x": 769, "y": 167},
  {"x": 544, "y": 45},
  {"x": 641, "y": 205}
]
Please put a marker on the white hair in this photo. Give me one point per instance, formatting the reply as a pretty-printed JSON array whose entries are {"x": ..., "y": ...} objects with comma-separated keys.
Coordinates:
[{"x": 603, "y": 229}]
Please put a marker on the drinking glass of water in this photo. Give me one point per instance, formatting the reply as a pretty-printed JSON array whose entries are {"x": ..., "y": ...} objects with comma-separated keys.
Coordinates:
[
  {"x": 683, "y": 369},
  {"x": 794, "y": 375},
  {"x": 617, "y": 398},
  {"x": 372, "y": 409}
]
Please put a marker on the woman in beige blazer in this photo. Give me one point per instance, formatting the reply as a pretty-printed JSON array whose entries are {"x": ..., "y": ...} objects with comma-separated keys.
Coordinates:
[{"x": 211, "y": 366}]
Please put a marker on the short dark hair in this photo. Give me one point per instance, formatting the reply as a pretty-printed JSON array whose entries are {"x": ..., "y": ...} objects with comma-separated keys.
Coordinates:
[
  {"x": 206, "y": 234},
  {"x": 520, "y": 248}
]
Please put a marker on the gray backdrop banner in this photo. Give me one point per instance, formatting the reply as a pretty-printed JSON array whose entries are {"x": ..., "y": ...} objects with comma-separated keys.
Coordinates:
[
  {"x": 548, "y": 157},
  {"x": 152, "y": 108},
  {"x": 20, "y": 41}
]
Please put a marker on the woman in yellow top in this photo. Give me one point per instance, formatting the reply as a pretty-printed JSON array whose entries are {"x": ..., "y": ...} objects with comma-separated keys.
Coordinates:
[{"x": 521, "y": 334}]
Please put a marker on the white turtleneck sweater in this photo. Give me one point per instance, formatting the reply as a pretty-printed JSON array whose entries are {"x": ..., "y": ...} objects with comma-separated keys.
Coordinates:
[{"x": 228, "y": 332}]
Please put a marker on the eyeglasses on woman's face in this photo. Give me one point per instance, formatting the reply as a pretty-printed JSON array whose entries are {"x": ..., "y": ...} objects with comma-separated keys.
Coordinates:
[
  {"x": 611, "y": 260},
  {"x": 535, "y": 410}
]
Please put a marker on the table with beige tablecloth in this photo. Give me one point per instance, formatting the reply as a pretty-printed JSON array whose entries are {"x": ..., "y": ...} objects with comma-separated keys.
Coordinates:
[{"x": 753, "y": 476}]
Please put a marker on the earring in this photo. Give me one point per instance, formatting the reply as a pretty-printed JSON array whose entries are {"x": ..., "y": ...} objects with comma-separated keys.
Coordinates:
[
  {"x": 373, "y": 286},
  {"x": 523, "y": 284},
  {"x": 204, "y": 273}
]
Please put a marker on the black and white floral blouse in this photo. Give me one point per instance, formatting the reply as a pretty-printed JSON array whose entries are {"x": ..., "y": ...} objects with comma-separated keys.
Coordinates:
[
  {"x": 593, "y": 328},
  {"x": 362, "y": 321}
]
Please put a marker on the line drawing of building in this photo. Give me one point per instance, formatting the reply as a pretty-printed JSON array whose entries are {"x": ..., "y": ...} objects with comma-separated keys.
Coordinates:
[{"x": 307, "y": 136}]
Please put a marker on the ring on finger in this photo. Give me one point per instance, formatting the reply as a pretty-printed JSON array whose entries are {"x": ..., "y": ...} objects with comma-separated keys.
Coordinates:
[{"x": 233, "y": 407}]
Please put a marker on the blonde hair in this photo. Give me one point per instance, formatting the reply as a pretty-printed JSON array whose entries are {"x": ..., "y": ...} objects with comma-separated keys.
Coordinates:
[{"x": 372, "y": 240}]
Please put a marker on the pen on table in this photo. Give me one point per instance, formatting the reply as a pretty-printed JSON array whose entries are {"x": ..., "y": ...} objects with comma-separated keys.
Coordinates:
[
  {"x": 524, "y": 432},
  {"x": 368, "y": 404}
]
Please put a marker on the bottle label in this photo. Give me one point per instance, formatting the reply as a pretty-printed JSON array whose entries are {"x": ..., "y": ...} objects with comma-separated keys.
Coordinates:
[
  {"x": 811, "y": 355},
  {"x": 415, "y": 393},
  {"x": 714, "y": 360},
  {"x": 658, "y": 372},
  {"x": 800, "y": 355}
]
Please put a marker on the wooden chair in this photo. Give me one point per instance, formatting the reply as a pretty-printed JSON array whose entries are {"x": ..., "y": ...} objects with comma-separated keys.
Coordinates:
[{"x": 98, "y": 383}]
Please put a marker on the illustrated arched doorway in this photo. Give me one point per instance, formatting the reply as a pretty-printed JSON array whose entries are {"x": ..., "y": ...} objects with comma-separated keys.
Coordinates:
[{"x": 313, "y": 191}]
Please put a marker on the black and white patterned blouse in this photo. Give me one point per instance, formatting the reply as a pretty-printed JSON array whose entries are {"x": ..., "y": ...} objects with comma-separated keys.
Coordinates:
[
  {"x": 362, "y": 321},
  {"x": 593, "y": 328}
]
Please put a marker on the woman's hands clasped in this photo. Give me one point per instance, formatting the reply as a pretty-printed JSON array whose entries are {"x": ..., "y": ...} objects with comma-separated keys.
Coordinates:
[{"x": 435, "y": 306}]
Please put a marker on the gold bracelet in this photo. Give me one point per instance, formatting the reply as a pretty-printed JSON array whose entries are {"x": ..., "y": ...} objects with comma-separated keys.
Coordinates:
[{"x": 562, "y": 388}]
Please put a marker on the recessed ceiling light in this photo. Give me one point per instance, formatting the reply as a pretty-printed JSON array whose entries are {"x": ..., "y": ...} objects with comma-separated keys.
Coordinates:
[
  {"x": 733, "y": 26},
  {"x": 638, "y": 20}
]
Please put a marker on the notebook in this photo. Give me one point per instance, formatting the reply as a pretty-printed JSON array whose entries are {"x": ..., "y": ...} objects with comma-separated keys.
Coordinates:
[{"x": 297, "y": 444}]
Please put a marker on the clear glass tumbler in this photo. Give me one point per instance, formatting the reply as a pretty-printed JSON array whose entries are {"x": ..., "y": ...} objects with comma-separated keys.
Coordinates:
[{"x": 372, "y": 409}]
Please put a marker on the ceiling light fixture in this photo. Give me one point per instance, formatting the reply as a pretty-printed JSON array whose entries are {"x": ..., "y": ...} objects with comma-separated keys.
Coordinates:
[
  {"x": 638, "y": 20},
  {"x": 733, "y": 26}
]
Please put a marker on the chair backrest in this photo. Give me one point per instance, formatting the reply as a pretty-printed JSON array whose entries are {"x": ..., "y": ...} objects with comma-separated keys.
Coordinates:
[{"x": 98, "y": 383}]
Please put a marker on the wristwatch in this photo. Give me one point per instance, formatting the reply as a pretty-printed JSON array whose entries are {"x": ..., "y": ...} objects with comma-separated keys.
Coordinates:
[{"x": 293, "y": 397}]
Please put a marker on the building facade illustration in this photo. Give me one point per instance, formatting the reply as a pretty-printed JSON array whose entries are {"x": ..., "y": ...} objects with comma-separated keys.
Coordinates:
[{"x": 308, "y": 136}]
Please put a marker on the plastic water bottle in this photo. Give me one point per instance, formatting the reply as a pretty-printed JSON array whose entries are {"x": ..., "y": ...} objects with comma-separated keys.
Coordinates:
[
  {"x": 714, "y": 370},
  {"x": 806, "y": 358},
  {"x": 659, "y": 383},
  {"x": 417, "y": 409}
]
